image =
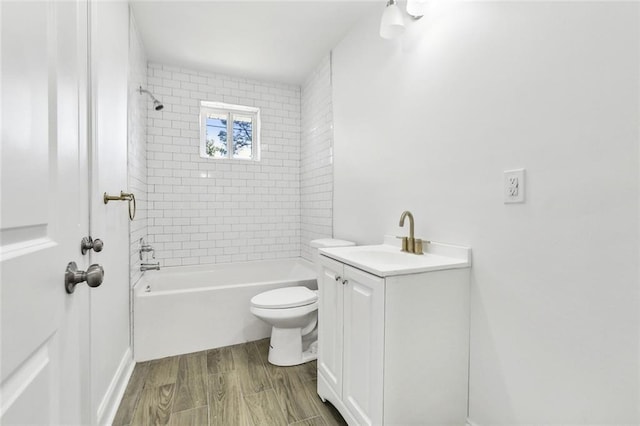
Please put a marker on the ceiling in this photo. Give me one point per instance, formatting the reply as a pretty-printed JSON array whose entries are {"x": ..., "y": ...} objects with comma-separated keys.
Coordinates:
[{"x": 279, "y": 41}]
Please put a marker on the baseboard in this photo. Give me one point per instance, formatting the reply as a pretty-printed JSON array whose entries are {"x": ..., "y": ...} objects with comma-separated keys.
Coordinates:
[{"x": 109, "y": 404}]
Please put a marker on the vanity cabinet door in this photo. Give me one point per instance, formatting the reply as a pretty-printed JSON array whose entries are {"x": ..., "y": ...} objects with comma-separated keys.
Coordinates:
[
  {"x": 363, "y": 345},
  {"x": 330, "y": 325}
]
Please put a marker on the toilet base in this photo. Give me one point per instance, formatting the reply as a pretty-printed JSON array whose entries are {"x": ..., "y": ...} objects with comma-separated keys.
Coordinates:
[
  {"x": 285, "y": 348},
  {"x": 310, "y": 354}
]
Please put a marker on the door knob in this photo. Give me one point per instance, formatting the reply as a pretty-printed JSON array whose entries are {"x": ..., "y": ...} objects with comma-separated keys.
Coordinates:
[
  {"x": 87, "y": 244},
  {"x": 72, "y": 276}
]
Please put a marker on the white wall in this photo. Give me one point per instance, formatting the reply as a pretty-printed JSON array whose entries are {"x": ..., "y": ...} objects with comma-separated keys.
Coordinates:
[
  {"x": 316, "y": 162},
  {"x": 207, "y": 211},
  {"x": 139, "y": 104},
  {"x": 429, "y": 123}
]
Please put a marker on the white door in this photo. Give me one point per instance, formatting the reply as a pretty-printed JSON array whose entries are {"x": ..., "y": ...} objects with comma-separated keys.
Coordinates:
[
  {"x": 110, "y": 354},
  {"x": 44, "y": 206},
  {"x": 330, "y": 300},
  {"x": 363, "y": 346}
]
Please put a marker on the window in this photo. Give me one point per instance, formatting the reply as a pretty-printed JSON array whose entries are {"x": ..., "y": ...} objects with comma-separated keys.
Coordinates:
[{"x": 219, "y": 120}]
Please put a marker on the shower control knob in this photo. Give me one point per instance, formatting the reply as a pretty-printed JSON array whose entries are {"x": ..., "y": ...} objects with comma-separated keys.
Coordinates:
[
  {"x": 87, "y": 244},
  {"x": 72, "y": 276}
]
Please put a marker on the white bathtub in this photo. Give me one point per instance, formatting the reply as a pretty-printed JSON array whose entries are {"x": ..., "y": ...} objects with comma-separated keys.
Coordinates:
[{"x": 186, "y": 309}]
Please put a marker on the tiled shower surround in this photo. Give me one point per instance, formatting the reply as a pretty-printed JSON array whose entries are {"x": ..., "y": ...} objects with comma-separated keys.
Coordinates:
[
  {"x": 139, "y": 106},
  {"x": 211, "y": 211},
  {"x": 316, "y": 179}
]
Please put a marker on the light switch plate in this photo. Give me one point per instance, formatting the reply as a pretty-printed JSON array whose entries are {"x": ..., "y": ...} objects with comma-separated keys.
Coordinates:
[{"x": 514, "y": 186}]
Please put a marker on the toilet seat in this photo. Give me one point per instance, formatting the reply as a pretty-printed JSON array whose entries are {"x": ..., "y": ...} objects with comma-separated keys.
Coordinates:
[
  {"x": 282, "y": 298},
  {"x": 284, "y": 314}
]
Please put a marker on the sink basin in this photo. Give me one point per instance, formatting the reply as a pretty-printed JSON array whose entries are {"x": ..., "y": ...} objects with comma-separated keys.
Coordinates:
[
  {"x": 387, "y": 259},
  {"x": 386, "y": 255}
]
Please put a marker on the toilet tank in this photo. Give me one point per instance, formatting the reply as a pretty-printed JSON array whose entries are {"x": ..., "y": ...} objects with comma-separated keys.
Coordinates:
[{"x": 327, "y": 243}]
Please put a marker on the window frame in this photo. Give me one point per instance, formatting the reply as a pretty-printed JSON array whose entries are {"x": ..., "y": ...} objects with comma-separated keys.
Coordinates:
[{"x": 208, "y": 107}]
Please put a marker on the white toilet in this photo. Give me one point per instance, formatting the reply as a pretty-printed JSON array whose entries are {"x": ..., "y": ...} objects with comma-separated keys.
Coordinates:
[{"x": 293, "y": 315}]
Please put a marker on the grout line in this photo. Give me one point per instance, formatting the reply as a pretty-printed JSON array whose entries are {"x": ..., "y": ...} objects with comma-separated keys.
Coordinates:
[
  {"x": 206, "y": 380},
  {"x": 305, "y": 420},
  {"x": 175, "y": 387},
  {"x": 138, "y": 394},
  {"x": 281, "y": 406}
]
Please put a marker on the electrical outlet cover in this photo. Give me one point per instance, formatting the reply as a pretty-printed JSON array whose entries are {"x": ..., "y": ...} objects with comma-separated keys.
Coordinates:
[{"x": 513, "y": 186}]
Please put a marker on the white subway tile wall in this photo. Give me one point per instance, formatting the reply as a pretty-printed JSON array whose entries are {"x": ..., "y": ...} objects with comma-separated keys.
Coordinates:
[
  {"x": 137, "y": 146},
  {"x": 316, "y": 175},
  {"x": 211, "y": 211}
]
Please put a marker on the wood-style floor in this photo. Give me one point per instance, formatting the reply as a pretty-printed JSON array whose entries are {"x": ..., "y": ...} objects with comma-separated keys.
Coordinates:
[{"x": 228, "y": 386}]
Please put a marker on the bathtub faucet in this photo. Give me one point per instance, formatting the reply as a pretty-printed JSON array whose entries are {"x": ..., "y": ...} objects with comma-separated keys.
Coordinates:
[
  {"x": 150, "y": 266},
  {"x": 146, "y": 248}
]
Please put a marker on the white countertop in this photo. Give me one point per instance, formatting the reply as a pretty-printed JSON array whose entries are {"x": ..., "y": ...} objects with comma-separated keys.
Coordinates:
[{"x": 387, "y": 259}]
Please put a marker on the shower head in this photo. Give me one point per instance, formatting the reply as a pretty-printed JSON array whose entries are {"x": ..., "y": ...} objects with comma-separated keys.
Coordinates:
[{"x": 157, "y": 105}]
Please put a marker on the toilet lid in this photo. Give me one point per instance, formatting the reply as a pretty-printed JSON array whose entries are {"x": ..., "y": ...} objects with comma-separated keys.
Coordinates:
[{"x": 287, "y": 297}]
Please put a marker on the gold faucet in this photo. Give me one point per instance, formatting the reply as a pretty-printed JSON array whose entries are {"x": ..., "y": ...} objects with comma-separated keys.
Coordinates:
[{"x": 410, "y": 244}]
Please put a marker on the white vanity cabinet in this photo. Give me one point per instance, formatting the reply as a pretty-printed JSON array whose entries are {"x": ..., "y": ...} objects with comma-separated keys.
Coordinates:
[
  {"x": 393, "y": 348},
  {"x": 351, "y": 339}
]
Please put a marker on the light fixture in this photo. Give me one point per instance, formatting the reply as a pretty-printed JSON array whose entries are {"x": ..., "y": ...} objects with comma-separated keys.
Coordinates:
[
  {"x": 392, "y": 23},
  {"x": 416, "y": 8}
]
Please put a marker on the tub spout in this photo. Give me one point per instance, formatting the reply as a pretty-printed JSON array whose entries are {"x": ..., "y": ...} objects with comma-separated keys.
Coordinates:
[{"x": 150, "y": 266}]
